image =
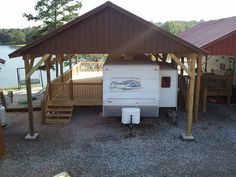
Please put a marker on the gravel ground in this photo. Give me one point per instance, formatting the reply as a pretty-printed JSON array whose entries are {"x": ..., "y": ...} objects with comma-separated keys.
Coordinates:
[{"x": 95, "y": 146}]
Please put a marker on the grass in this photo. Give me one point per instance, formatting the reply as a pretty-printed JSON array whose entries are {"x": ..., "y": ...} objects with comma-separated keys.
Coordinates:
[{"x": 22, "y": 88}]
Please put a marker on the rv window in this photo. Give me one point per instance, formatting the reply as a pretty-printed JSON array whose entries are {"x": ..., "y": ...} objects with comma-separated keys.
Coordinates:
[{"x": 165, "y": 82}]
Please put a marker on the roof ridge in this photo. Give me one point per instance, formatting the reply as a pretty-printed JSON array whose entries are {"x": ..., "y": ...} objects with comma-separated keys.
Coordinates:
[{"x": 96, "y": 10}]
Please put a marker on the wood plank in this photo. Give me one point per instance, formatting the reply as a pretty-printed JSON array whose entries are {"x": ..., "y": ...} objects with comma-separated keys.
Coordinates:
[
  {"x": 182, "y": 71},
  {"x": 31, "y": 71},
  {"x": 59, "y": 109},
  {"x": 191, "y": 97},
  {"x": 176, "y": 59},
  {"x": 32, "y": 62},
  {"x": 198, "y": 87},
  {"x": 58, "y": 115},
  {"x": 29, "y": 94},
  {"x": 60, "y": 58},
  {"x": 53, "y": 121}
]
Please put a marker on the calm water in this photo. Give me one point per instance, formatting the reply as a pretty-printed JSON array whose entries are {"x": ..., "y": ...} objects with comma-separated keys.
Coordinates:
[{"x": 8, "y": 72}]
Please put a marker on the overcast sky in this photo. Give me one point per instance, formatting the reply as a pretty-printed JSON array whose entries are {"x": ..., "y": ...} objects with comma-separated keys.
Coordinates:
[{"x": 152, "y": 10}]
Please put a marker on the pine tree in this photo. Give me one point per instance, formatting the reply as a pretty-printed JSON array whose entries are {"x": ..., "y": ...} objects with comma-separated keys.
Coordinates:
[{"x": 54, "y": 13}]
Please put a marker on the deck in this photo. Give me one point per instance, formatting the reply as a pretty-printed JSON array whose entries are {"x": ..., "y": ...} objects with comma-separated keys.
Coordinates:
[{"x": 79, "y": 86}]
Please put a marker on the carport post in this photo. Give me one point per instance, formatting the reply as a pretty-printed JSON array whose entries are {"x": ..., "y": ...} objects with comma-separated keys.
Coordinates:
[
  {"x": 198, "y": 86},
  {"x": 188, "y": 135},
  {"x": 32, "y": 135},
  {"x": 61, "y": 66}
]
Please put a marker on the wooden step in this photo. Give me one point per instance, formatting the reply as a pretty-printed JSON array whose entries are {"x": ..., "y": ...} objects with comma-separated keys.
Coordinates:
[
  {"x": 58, "y": 115},
  {"x": 60, "y": 103},
  {"x": 56, "y": 121},
  {"x": 58, "y": 112}
]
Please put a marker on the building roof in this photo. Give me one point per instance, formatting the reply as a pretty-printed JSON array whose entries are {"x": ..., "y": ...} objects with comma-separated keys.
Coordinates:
[
  {"x": 218, "y": 37},
  {"x": 107, "y": 29}
]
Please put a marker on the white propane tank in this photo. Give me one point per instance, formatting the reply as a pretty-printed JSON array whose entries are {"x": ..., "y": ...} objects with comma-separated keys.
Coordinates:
[
  {"x": 3, "y": 119},
  {"x": 126, "y": 115}
]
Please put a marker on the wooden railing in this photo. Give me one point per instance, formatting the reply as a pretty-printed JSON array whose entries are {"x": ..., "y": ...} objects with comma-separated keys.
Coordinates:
[
  {"x": 44, "y": 102},
  {"x": 216, "y": 82},
  {"x": 79, "y": 93},
  {"x": 215, "y": 85},
  {"x": 211, "y": 85},
  {"x": 91, "y": 66}
]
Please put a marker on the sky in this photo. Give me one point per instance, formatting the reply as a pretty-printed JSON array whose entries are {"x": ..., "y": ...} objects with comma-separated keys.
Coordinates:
[{"x": 152, "y": 10}]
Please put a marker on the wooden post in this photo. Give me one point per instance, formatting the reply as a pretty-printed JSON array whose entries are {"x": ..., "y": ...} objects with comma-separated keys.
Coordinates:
[
  {"x": 206, "y": 64},
  {"x": 204, "y": 99},
  {"x": 48, "y": 67},
  {"x": 61, "y": 67},
  {"x": 56, "y": 67},
  {"x": 182, "y": 71},
  {"x": 29, "y": 96},
  {"x": 198, "y": 86},
  {"x": 70, "y": 63},
  {"x": 71, "y": 90},
  {"x": 70, "y": 66},
  {"x": 191, "y": 96},
  {"x": 2, "y": 146}
]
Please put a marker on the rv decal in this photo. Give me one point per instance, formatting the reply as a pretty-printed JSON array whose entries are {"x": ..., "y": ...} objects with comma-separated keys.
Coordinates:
[{"x": 125, "y": 84}]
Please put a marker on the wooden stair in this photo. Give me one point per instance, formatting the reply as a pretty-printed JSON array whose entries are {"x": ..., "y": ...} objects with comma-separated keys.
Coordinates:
[{"x": 58, "y": 112}]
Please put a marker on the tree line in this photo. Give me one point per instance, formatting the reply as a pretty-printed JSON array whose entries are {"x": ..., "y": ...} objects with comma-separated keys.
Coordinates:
[
  {"x": 18, "y": 36},
  {"x": 55, "y": 13}
]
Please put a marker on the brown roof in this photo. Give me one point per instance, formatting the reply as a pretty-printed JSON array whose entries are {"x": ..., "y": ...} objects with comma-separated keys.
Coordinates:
[
  {"x": 108, "y": 29},
  {"x": 217, "y": 36}
]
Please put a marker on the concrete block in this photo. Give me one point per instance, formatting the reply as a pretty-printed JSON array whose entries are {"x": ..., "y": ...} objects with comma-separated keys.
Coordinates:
[
  {"x": 63, "y": 174},
  {"x": 29, "y": 137},
  {"x": 186, "y": 137}
]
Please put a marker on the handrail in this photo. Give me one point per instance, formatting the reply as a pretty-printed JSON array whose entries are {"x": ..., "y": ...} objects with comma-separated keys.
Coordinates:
[
  {"x": 212, "y": 81},
  {"x": 91, "y": 66}
]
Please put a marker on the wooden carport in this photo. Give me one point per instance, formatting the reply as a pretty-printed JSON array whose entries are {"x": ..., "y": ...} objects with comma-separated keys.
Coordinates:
[{"x": 111, "y": 29}]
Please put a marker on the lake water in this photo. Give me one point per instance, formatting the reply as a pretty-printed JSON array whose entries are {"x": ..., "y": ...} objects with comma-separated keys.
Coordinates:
[{"x": 8, "y": 72}]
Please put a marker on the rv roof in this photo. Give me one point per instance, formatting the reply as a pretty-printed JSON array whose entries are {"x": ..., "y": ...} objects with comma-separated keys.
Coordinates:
[{"x": 129, "y": 59}]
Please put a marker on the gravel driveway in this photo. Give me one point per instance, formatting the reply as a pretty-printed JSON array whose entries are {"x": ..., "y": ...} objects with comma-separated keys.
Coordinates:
[{"x": 94, "y": 146}]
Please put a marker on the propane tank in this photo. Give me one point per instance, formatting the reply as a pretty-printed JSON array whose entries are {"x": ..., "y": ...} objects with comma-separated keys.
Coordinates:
[{"x": 3, "y": 119}]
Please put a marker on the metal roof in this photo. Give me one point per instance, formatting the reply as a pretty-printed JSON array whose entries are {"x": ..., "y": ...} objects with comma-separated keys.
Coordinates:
[
  {"x": 108, "y": 29},
  {"x": 218, "y": 37}
]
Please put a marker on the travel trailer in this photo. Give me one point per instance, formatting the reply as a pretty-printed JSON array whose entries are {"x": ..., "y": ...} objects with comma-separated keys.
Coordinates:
[{"x": 138, "y": 82}]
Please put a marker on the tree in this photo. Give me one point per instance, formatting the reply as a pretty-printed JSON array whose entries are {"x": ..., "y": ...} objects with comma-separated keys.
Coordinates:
[
  {"x": 176, "y": 27},
  {"x": 4, "y": 38},
  {"x": 18, "y": 37},
  {"x": 54, "y": 13}
]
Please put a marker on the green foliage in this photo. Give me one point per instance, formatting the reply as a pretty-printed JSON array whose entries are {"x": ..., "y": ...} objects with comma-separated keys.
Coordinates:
[
  {"x": 15, "y": 36},
  {"x": 92, "y": 57},
  {"x": 4, "y": 38},
  {"x": 54, "y": 13},
  {"x": 176, "y": 27}
]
